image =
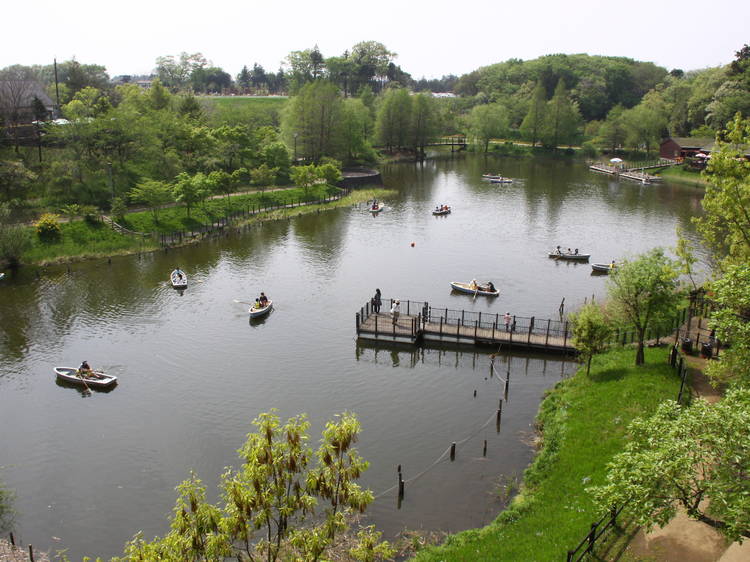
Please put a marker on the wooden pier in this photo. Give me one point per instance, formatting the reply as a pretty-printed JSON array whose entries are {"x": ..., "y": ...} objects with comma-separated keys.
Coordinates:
[
  {"x": 419, "y": 323},
  {"x": 636, "y": 173}
]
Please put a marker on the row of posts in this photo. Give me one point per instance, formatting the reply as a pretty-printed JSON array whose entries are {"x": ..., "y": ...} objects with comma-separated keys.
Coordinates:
[
  {"x": 498, "y": 419},
  {"x": 31, "y": 548}
]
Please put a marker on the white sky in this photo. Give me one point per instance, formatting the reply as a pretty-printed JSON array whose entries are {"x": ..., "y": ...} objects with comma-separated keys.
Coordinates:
[{"x": 431, "y": 38}]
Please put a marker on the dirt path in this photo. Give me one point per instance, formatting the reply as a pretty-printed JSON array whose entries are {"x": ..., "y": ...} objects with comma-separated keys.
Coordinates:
[{"x": 684, "y": 539}]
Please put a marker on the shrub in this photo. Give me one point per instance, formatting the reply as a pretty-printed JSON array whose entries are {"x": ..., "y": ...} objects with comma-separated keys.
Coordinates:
[
  {"x": 589, "y": 149},
  {"x": 48, "y": 228},
  {"x": 90, "y": 214},
  {"x": 118, "y": 209}
]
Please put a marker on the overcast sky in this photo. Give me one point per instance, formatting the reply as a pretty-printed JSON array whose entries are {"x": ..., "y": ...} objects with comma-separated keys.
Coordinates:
[{"x": 431, "y": 38}]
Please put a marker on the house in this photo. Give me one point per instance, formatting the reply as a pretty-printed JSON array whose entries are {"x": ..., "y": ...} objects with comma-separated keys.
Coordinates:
[
  {"x": 17, "y": 105},
  {"x": 677, "y": 148}
]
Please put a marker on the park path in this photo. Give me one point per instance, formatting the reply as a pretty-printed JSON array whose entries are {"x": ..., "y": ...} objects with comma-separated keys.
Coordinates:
[{"x": 684, "y": 539}]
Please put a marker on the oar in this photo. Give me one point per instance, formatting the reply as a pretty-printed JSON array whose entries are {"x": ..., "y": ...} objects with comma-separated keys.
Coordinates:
[
  {"x": 83, "y": 380},
  {"x": 475, "y": 293},
  {"x": 243, "y": 302}
]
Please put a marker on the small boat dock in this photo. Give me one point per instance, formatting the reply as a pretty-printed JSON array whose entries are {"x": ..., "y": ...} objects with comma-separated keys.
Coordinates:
[
  {"x": 419, "y": 323},
  {"x": 635, "y": 173}
]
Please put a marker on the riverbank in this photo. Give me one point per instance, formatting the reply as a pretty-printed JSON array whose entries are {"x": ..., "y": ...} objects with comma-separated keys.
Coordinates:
[
  {"x": 582, "y": 424},
  {"x": 81, "y": 240},
  {"x": 680, "y": 175}
]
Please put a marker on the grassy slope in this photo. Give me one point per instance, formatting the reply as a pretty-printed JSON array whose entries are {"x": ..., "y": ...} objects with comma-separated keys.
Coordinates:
[
  {"x": 81, "y": 240},
  {"x": 584, "y": 421},
  {"x": 679, "y": 174}
]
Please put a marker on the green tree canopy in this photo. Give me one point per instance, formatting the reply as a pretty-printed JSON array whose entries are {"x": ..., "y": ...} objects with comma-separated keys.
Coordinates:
[
  {"x": 591, "y": 332},
  {"x": 643, "y": 291},
  {"x": 682, "y": 457}
]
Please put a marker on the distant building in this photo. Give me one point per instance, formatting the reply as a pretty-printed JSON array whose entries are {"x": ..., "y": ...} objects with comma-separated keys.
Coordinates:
[
  {"x": 676, "y": 148},
  {"x": 17, "y": 103}
]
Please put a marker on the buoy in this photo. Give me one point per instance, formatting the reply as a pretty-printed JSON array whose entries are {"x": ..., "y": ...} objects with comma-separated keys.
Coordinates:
[{"x": 413, "y": 244}]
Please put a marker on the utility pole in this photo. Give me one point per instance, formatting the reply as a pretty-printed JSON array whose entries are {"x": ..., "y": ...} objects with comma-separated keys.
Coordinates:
[{"x": 57, "y": 89}]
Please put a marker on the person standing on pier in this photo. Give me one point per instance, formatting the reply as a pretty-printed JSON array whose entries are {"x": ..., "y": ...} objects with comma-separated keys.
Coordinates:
[
  {"x": 395, "y": 311},
  {"x": 506, "y": 318},
  {"x": 376, "y": 302}
]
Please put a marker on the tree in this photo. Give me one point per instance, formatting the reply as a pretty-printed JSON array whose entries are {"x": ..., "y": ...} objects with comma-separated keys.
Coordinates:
[
  {"x": 731, "y": 320},
  {"x": 15, "y": 180},
  {"x": 175, "y": 74},
  {"x": 683, "y": 457},
  {"x": 394, "y": 118},
  {"x": 14, "y": 241},
  {"x": 562, "y": 118},
  {"x": 370, "y": 60},
  {"x": 646, "y": 123},
  {"x": 590, "y": 332},
  {"x": 153, "y": 193},
  {"x": 187, "y": 191},
  {"x": 531, "y": 127},
  {"x": 643, "y": 291},
  {"x": 725, "y": 226},
  {"x": 424, "y": 122},
  {"x": 305, "y": 176},
  {"x": 330, "y": 172},
  {"x": 264, "y": 175},
  {"x": 274, "y": 494},
  {"x": 243, "y": 79},
  {"x": 612, "y": 132},
  {"x": 312, "y": 117},
  {"x": 487, "y": 122}
]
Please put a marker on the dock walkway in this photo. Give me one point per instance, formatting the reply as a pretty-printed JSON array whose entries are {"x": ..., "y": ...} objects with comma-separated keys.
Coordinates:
[{"x": 420, "y": 323}]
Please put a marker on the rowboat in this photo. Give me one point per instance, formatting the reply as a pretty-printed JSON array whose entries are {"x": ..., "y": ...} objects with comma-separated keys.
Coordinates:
[
  {"x": 258, "y": 312},
  {"x": 178, "y": 279},
  {"x": 437, "y": 212},
  {"x": 94, "y": 379},
  {"x": 602, "y": 267},
  {"x": 467, "y": 288},
  {"x": 501, "y": 180},
  {"x": 376, "y": 208},
  {"x": 2, "y": 275},
  {"x": 491, "y": 176},
  {"x": 572, "y": 257}
]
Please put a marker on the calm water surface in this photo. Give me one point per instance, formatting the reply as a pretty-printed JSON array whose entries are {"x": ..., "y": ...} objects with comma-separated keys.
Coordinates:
[{"x": 89, "y": 472}]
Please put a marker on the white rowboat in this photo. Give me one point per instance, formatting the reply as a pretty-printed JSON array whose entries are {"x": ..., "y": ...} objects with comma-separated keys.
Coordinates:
[
  {"x": 467, "y": 288},
  {"x": 375, "y": 209},
  {"x": 94, "y": 379},
  {"x": 178, "y": 279},
  {"x": 442, "y": 212},
  {"x": 258, "y": 312}
]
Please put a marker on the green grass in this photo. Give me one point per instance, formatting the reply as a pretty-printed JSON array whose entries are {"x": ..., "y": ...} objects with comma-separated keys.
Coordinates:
[
  {"x": 680, "y": 174},
  {"x": 81, "y": 240},
  {"x": 175, "y": 218},
  {"x": 584, "y": 421},
  {"x": 233, "y": 110}
]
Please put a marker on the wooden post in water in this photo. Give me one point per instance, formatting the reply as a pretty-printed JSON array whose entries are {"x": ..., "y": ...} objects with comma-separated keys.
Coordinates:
[
  {"x": 531, "y": 328},
  {"x": 476, "y": 326},
  {"x": 357, "y": 322},
  {"x": 31, "y": 553},
  {"x": 453, "y": 450},
  {"x": 484, "y": 449},
  {"x": 546, "y": 338},
  {"x": 441, "y": 327},
  {"x": 565, "y": 340}
]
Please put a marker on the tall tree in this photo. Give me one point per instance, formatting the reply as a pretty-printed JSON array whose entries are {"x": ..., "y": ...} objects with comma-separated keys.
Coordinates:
[
  {"x": 531, "y": 127},
  {"x": 487, "y": 122},
  {"x": 424, "y": 122},
  {"x": 243, "y": 79},
  {"x": 725, "y": 226},
  {"x": 394, "y": 118},
  {"x": 563, "y": 118},
  {"x": 590, "y": 332},
  {"x": 312, "y": 119},
  {"x": 175, "y": 73},
  {"x": 643, "y": 291}
]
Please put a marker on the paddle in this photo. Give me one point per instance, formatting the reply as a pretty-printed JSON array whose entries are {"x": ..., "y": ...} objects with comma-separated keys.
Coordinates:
[
  {"x": 475, "y": 293},
  {"x": 243, "y": 302},
  {"x": 83, "y": 380}
]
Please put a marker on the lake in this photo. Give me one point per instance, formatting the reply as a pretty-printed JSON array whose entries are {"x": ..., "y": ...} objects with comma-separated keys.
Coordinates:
[{"x": 91, "y": 471}]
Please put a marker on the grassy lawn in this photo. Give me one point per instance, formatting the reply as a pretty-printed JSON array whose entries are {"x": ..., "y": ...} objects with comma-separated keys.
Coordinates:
[
  {"x": 584, "y": 422},
  {"x": 175, "y": 218},
  {"x": 233, "y": 110},
  {"x": 680, "y": 174},
  {"x": 81, "y": 240}
]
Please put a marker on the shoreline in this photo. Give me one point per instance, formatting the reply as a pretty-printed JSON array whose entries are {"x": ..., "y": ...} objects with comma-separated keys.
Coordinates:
[{"x": 355, "y": 197}]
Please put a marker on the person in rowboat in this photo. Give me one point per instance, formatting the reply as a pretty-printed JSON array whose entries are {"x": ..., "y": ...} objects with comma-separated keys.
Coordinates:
[
  {"x": 84, "y": 370},
  {"x": 179, "y": 273},
  {"x": 474, "y": 285},
  {"x": 576, "y": 252},
  {"x": 256, "y": 305},
  {"x": 490, "y": 287},
  {"x": 263, "y": 299},
  {"x": 558, "y": 251}
]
